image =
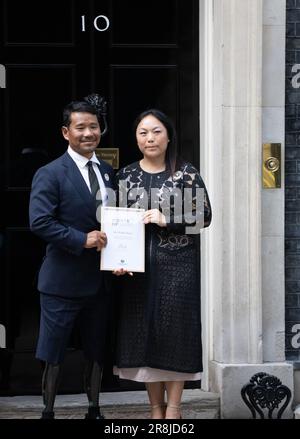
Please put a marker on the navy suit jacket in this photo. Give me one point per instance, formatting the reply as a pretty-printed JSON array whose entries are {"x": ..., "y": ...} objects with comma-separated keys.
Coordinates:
[{"x": 62, "y": 211}]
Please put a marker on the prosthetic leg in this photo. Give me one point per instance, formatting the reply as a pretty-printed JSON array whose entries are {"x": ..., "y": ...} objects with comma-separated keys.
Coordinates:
[
  {"x": 92, "y": 386},
  {"x": 49, "y": 389}
]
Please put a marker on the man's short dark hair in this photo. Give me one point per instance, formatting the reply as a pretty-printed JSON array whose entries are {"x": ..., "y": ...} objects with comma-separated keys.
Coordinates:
[{"x": 77, "y": 107}]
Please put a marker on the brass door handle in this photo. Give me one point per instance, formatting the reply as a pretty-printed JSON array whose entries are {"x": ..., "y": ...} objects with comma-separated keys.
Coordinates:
[{"x": 272, "y": 164}]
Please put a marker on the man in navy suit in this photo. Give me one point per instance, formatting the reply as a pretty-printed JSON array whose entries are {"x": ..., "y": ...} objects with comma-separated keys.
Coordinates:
[{"x": 64, "y": 199}]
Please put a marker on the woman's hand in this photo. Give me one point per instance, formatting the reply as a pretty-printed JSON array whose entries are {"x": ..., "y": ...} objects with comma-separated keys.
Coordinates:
[
  {"x": 156, "y": 217},
  {"x": 121, "y": 272}
]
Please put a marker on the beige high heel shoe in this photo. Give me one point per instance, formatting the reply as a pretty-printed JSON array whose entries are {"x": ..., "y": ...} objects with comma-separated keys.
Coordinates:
[
  {"x": 175, "y": 407},
  {"x": 160, "y": 406}
]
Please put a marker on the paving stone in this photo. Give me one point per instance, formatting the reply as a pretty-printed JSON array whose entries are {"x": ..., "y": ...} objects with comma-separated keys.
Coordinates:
[{"x": 196, "y": 404}]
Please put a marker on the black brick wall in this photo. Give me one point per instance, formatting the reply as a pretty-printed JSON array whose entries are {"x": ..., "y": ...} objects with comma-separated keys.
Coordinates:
[{"x": 292, "y": 184}]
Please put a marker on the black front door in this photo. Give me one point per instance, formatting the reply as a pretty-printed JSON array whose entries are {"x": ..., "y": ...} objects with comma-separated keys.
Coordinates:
[{"x": 138, "y": 54}]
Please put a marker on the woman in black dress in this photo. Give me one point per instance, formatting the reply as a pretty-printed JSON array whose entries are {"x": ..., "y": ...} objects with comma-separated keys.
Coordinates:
[{"x": 159, "y": 327}]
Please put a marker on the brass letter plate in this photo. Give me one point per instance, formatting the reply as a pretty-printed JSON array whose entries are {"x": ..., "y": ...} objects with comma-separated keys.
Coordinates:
[
  {"x": 271, "y": 166},
  {"x": 109, "y": 155}
]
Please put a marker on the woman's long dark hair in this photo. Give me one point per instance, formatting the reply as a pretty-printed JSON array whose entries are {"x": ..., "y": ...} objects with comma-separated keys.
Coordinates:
[{"x": 171, "y": 153}]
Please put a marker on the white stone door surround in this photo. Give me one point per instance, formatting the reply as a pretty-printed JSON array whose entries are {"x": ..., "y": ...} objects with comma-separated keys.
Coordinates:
[{"x": 243, "y": 319}]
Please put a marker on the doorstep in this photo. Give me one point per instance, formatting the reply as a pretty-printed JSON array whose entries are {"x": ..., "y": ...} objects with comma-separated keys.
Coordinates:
[{"x": 196, "y": 404}]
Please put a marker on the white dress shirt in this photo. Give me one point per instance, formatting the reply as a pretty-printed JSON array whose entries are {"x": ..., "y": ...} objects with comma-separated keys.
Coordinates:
[{"x": 81, "y": 163}]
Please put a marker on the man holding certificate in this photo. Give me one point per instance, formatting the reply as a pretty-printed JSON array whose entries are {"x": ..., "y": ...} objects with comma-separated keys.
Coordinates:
[
  {"x": 63, "y": 205},
  {"x": 159, "y": 326}
]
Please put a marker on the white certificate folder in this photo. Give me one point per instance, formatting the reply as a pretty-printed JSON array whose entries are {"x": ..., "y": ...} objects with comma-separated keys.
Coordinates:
[{"x": 125, "y": 233}]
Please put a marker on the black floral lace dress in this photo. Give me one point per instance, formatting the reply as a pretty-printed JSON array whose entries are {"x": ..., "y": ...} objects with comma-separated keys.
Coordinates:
[{"x": 159, "y": 322}]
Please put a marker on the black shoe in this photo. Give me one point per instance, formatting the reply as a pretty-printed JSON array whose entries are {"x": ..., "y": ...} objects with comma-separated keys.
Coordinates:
[
  {"x": 47, "y": 415},
  {"x": 94, "y": 413}
]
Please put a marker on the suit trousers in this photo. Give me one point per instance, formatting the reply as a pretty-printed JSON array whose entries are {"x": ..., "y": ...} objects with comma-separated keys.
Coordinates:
[{"x": 58, "y": 317}]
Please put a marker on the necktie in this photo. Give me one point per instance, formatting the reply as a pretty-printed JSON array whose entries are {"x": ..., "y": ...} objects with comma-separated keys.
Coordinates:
[{"x": 94, "y": 183}]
